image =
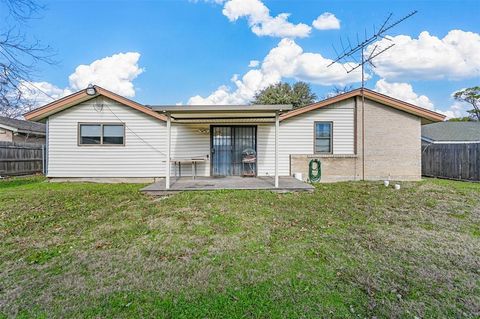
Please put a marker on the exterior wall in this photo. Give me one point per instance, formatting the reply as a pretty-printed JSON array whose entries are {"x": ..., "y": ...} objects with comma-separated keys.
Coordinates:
[
  {"x": 297, "y": 134},
  {"x": 9, "y": 136},
  {"x": 23, "y": 138},
  {"x": 142, "y": 156},
  {"x": 392, "y": 143},
  {"x": 266, "y": 150},
  {"x": 335, "y": 168},
  {"x": 190, "y": 140},
  {"x": 6, "y": 135},
  {"x": 392, "y": 148},
  {"x": 194, "y": 140}
]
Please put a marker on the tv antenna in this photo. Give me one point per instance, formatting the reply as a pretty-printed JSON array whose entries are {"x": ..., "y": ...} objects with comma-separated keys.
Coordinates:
[{"x": 353, "y": 57}]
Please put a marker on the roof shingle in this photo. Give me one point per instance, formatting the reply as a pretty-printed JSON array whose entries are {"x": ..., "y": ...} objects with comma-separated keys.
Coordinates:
[
  {"x": 23, "y": 126},
  {"x": 452, "y": 131}
]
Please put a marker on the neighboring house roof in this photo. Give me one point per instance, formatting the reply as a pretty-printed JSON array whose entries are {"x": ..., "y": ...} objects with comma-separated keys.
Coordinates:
[
  {"x": 451, "y": 132},
  {"x": 21, "y": 126},
  {"x": 374, "y": 96},
  {"x": 82, "y": 96}
]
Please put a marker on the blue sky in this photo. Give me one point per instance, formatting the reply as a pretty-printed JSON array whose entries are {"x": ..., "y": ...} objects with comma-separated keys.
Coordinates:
[{"x": 191, "y": 48}]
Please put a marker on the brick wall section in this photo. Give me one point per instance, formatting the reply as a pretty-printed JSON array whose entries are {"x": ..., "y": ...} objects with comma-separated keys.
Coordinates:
[
  {"x": 334, "y": 168},
  {"x": 392, "y": 143},
  {"x": 392, "y": 148}
]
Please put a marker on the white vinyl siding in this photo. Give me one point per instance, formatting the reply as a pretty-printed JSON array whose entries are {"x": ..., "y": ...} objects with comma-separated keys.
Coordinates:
[
  {"x": 142, "y": 156},
  {"x": 194, "y": 140},
  {"x": 266, "y": 150},
  {"x": 144, "y": 153},
  {"x": 189, "y": 140},
  {"x": 297, "y": 133}
]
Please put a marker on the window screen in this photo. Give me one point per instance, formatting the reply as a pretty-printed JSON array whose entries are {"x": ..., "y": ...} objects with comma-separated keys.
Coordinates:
[{"x": 323, "y": 137}]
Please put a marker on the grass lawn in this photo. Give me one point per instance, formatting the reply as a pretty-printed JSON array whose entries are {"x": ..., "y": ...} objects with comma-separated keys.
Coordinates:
[{"x": 347, "y": 250}]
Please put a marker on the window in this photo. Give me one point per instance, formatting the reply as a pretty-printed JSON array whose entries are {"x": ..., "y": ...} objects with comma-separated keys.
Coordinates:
[
  {"x": 101, "y": 134},
  {"x": 323, "y": 137},
  {"x": 113, "y": 134}
]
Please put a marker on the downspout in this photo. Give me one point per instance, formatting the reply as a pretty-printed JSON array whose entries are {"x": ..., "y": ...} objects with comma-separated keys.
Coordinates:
[
  {"x": 355, "y": 137},
  {"x": 277, "y": 129},
  {"x": 47, "y": 148},
  {"x": 363, "y": 135},
  {"x": 363, "y": 115},
  {"x": 169, "y": 135}
]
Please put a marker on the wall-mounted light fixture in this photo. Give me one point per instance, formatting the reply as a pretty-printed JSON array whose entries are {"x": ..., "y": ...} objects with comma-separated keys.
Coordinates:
[{"x": 91, "y": 90}]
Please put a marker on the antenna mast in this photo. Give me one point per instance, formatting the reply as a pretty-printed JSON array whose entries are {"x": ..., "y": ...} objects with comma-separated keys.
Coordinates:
[
  {"x": 349, "y": 59},
  {"x": 349, "y": 54}
]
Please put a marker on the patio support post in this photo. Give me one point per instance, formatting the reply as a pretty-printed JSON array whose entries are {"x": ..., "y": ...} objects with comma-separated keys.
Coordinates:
[
  {"x": 169, "y": 134},
  {"x": 277, "y": 127}
]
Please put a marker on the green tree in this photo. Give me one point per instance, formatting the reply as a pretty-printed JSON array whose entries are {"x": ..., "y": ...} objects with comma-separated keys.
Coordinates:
[
  {"x": 472, "y": 97},
  {"x": 461, "y": 119},
  {"x": 299, "y": 94}
]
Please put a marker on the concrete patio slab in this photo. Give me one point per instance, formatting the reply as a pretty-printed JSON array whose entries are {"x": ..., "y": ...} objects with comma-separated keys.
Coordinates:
[{"x": 286, "y": 184}]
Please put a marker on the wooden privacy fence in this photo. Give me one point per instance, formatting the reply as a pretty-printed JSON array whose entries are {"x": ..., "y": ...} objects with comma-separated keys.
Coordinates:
[
  {"x": 455, "y": 161},
  {"x": 21, "y": 158}
]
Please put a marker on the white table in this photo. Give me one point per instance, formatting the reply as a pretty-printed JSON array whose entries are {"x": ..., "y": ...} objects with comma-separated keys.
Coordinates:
[{"x": 192, "y": 161}]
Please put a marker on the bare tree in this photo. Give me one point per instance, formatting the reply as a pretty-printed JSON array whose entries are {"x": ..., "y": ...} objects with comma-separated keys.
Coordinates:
[
  {"x": 337, "y": 90},
  {"x": 20, "y": 57}
]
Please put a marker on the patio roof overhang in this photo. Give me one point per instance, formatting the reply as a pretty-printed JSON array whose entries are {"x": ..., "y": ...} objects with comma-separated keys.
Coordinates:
[
  {"x": 217, "y": 113},
  {"x": 221, "y": 113}
]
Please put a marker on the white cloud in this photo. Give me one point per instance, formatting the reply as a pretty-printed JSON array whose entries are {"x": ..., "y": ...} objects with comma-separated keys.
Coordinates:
[
  {"x": 260, "y": 20},
  {"x": 41, "y": 93},
  {"x": 253, "y": 64},
  {"x": 457, "y": 109},
  {"x": 326, "y": 21},
  {"x": 114, "y": 73},
  {"x": 286, "y": 60},
  {"x": 405, "y": 92},
  {"x": 454, "y": 57}
]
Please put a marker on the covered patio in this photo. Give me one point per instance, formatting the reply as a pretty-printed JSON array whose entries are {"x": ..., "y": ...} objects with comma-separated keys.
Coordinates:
[
  {"x": 216, "y": 138},
  {"x": 285, "y": 184}
]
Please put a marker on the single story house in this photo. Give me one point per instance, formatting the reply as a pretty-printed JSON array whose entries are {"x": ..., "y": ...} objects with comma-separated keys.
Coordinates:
[
  {"x": 451, "y": 150},
  {"x": 14, "y": 130},
  {"x": 96, "y": 134}
]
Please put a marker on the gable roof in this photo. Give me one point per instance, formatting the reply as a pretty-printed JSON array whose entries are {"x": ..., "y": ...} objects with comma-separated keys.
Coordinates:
[
  {"x": 82, "y": 96},
  {"x": 452, "y": 132},
  {"x": 22, "y": 126},
  {"x": 374, "y": 96}
]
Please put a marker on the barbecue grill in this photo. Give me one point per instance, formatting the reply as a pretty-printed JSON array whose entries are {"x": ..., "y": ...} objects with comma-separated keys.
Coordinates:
[{"x": 249, "y": 162}]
